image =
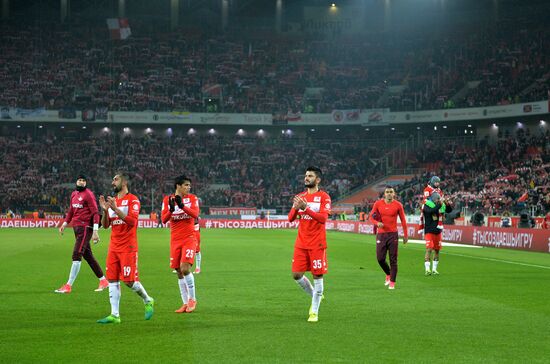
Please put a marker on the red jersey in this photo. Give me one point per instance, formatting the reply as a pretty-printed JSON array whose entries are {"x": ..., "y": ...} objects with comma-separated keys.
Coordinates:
[
  {"x": 428, "y": 192},
  {"x": 124, "y": 234},
  {"x": 311, "y": 230},
  {"x": 182, "y": 221},
  {"x": 388, "y": 215},
  {"x": 83, "y": 210}
]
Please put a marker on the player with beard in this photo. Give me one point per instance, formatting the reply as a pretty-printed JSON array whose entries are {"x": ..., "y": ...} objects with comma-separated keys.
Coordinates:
[
  {"x": 84, "y": 218},
  {"x": 122, "y": 212},
  {"x": 312, "y": 207}
]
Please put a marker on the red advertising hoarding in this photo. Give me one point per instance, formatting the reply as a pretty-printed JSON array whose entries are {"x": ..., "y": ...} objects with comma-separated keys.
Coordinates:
[{"x": 512, "y": 238}]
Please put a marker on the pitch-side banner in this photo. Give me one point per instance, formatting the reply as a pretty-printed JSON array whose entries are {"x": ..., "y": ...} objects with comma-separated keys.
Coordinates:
[
  {"x": 247, "y": 224},
  {"x": 30, "y": 223},
  {"x": 53, "y": 223},
  {"x": 520, "y": 239},
  {"x": 148, "y": 223}
]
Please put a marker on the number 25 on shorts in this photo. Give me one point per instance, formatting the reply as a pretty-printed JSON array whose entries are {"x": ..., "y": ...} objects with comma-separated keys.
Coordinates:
[{"x": 189, "y": 253}]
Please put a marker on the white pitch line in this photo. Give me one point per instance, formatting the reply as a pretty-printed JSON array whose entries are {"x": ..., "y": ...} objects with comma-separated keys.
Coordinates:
[
  {"x": 481, "y": 258},
  {"x": 501, "y": 261},
  {"x": 415, "y": 241}
]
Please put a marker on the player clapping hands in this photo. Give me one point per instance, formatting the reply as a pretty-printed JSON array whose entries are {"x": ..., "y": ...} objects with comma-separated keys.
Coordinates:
[
  {"x": 299, "y": 203},
  {"x": 103, "y": 203},
  {"x": 173, "y": 201}
]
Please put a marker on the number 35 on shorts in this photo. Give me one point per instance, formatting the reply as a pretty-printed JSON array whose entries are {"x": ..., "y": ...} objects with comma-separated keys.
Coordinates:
[{"x": 317, "y": 263}]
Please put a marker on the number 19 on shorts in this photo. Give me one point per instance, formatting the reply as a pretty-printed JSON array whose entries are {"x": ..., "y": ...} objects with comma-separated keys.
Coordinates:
[{"x": 126, "y": 271}]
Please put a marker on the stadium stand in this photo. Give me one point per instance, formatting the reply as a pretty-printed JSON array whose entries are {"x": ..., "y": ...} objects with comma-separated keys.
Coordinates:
[
  {"x": 230, "y": 171},
  {"x": 489, "y": 178},
  {"x": 248, "y": 172},
  {"x": 53, "y": 67}
]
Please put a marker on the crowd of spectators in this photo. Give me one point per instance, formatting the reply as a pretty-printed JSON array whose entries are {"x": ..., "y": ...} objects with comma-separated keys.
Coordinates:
[
  {"x": 507, "y": 178},
  {"x": 56, "y": 68},
  {"x": 225, "y": 171}
]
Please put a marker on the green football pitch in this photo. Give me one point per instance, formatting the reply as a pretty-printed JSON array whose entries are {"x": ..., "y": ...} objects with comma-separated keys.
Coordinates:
[{"x": 488, "y": 305}]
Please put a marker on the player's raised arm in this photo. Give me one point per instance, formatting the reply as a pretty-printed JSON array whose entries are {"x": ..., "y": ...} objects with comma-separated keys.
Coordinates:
[
  {"x": 430, "y": 207},
  {"x": 322, "y": 215},
  {"x": 293, "y": 213},
  {"x": 111, "y": 203},
  {"x": 446, "y": 206},
  {"x": 168, "y": 206},
  {"x": 192, "y": 211},
  {"x": 105, "y": 214},
  {"x": 133, "y": 213}
]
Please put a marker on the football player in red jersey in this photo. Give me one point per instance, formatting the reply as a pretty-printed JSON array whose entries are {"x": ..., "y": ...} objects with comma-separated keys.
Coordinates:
[
  {"x": 84, "y": 218},
  {"x": 181, "y": 209},
  {"x": 384, "y": 215},
  {"x": 312, "y": 207},
  {"x": 121, "y": 213}
]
